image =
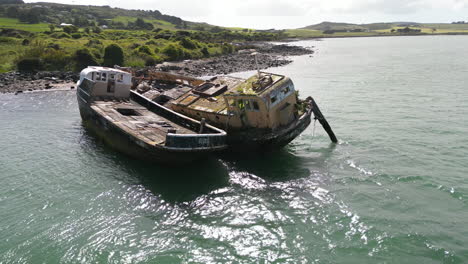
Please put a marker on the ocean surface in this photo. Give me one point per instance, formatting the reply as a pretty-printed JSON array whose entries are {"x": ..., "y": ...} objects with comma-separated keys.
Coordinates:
[{"x": 394, "y": 190}]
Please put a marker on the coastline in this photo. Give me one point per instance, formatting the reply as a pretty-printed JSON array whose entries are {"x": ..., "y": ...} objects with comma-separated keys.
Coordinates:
[{"x": 270, "y": 55}]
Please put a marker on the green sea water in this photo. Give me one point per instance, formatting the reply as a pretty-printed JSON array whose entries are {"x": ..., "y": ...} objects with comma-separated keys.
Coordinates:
[{"x": 394, "y": 190}]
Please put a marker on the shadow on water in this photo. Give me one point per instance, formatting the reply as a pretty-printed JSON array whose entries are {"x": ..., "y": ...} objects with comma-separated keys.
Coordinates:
[
  {"x": 186, "y": 182},
  {"x": 174, "y": 183},
  {"x": 284, "y": 164}
]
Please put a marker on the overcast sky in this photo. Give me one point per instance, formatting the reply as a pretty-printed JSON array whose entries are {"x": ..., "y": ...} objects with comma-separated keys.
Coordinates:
[{"x": 263, "y": 14}]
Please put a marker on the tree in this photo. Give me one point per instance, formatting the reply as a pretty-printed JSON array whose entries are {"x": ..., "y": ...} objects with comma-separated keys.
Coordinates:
[
  {"x": 51, "y": 27},
  {"x": 70, "y": 29},
  {"x": 12, "y": 11},
  {"x": 31, "y": 16},
  {"x": 11, "y": 2},
  {"x": 97, "y": 30},
  {"x": 216, "y": 29},
  {"x": 113, "y": 55}
]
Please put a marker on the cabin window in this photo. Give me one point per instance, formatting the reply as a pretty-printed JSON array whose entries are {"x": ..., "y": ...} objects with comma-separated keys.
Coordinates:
[
  {"x": 232, "y": 102},
  {"x": 120, "y": 78},
  {"x": 92, "y": 76},
  {"x": 255, "y": 105},
  {"x": 286, "y": 90},
  {"x": 103, "y": 77},
  {"x": 240, "y": 104},
  {"x": 273, "y": 99},
  {"x": 98, "y": 76},
  {"x": 112, "y": 77},
  {"x": 247, "y": 105}
]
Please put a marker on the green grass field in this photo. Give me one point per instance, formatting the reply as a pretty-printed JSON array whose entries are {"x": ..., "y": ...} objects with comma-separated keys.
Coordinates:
[
  {"x": 14, "y": 23},
  {"x": 156, "y": 23}
]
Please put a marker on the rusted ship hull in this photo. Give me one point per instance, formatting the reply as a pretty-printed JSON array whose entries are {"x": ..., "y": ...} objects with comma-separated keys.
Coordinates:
[
  {"x": 267, "y": 140},
  {"x": 121, "y": 141}
]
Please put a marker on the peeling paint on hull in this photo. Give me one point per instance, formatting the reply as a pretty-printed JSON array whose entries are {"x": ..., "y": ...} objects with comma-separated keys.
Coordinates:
[{"x": 121, "y": 141}]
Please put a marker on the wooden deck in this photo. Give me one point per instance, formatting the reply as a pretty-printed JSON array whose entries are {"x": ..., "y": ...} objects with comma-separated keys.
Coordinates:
[{"x": 139, "y": 121}]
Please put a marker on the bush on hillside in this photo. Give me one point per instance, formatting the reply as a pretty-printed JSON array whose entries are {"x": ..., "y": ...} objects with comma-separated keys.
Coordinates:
[
  {"x": 84, "y": 58},
  {"x": 173, "y": 52},
  {"x": 29, "y": 65},
  {"x": 93, "y": 42},
  {"x": 113, "y": 55},
  {"x": 56, "y": 60},
  {"x": 145, "y": 49},
  {"x": 76, "y": 35},
  {"x": 188, "y": 43},
  {"x": 60, "y": 35},
  {"x": 205, "y": 52},
  {"x": 70, "y": 29}
]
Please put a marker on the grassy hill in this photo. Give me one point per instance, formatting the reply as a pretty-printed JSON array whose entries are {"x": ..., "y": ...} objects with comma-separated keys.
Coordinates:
[
  {"x": 332, "y": 29},
  {"x": 31, "y": 35}
]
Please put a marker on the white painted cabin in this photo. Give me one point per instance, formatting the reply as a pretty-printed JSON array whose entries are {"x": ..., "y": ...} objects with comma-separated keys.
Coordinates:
[{"x": 108, "y": 82}]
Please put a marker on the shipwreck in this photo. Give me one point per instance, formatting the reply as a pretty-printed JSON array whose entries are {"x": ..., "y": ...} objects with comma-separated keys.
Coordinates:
[
  {"x": 138, "y": 126},
  {"x": 262, "y": 112}
]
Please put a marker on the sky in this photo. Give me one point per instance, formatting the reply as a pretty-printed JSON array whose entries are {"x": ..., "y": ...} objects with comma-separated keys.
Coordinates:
[{"x": 282, "y": 14}]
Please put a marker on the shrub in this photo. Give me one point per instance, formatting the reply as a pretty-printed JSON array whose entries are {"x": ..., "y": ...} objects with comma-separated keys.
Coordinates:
[
  {"x": 227, "y": 48},
  {"x": 55, "y": 59},
  {"x": 173, "y": 52},
  {"x": 152, "y": 60},
  {"x": 76, "y": 35},
  {"x": 25, "y": 42},
  {"x": 54, "y": 46},
  {"x": 29, "y": 65},
  {"x": 135, "y": 61},
  {"x": 205, "y": 52},
  {"x": 93, "y": 42},
  {"x": 7, "y": 40},
  {"x": 135, "y": 46},
  {"x": 113, "y": 55},
  {"x": 70, "y": 29},
  {"x": 193, "y": 54},
  {"x": 188, "y": 43},
  {"x": 97, "y": 30},
  {"x": 151, "y": 42},
  {"x": 84, "y": 58},
  {"x": 145, "y": 49},
  {"x": 60, "y": 35}
]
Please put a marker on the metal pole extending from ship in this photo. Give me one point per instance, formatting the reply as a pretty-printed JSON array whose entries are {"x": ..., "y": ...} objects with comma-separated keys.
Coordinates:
[
  {"x": 256, "y": 63},
  {"x": 319, "y": 116}
]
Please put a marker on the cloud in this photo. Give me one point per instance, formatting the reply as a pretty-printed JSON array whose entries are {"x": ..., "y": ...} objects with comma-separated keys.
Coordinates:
[{"x": 272, "y": 8}]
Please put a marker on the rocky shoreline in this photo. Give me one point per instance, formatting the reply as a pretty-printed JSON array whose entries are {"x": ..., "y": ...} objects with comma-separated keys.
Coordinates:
[
  {"x": 16, "y": 82},
  {"x": 269, "y": 55}
]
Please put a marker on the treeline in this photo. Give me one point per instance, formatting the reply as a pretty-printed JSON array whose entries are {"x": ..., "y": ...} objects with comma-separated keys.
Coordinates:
[{"x": 77, "y": 15}]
